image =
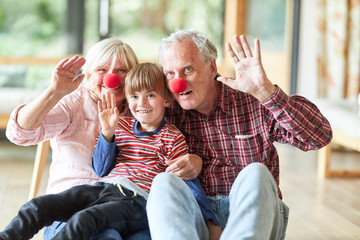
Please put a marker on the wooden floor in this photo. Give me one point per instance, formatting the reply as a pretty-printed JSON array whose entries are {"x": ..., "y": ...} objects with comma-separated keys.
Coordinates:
[{"x": 319, "y": 209}]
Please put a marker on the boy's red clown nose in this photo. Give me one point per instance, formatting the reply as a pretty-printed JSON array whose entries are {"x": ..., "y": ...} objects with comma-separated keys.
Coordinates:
[
  {"x": 177, "y": 85},
  {"x": 111, "y": 80}
]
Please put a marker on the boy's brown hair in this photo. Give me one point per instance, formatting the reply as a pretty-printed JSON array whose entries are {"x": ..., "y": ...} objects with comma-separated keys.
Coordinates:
[{"x": 147, "y": 76}]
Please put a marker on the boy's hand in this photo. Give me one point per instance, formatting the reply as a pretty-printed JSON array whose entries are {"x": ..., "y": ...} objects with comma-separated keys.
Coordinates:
[{"x": 109, "y": 116}]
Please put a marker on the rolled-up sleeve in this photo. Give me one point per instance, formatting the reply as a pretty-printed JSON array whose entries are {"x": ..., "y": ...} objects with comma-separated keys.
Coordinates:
[{"x": 54, "y": 123}]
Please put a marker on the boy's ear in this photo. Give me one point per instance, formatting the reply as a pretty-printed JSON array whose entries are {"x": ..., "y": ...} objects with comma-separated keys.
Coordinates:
[{"x": 168, "y": 102}]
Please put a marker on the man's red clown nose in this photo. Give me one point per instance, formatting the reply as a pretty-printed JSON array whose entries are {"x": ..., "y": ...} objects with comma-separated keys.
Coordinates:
[
  {"x": 111, "y": 80},
  {"x": 177, "y": 85}
]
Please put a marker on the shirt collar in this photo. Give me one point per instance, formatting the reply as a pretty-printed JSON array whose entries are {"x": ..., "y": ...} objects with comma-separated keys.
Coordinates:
[
  {"x": 224, "y": 103},
  {"x": 144, "y": 133}
]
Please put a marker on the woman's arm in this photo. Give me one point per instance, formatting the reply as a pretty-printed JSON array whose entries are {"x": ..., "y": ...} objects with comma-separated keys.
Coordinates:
[{"x": 31, "y": 115}]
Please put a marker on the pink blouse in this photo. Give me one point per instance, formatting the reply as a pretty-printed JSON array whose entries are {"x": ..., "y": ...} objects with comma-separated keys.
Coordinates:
[{"x": 73, "y": 126}]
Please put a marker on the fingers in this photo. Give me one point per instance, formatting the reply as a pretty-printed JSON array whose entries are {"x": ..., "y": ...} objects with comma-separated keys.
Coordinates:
[
  {"x": 79, "y": 78},
  {"x": 242, "y": 47},
  {"x": 245, "y": 46},
  {"x": 72, "y": 65},
  {"x": 233, "y": 57},
  {"x": 257, "y": 48},
  {"x": 173, "y": 166},
  {"x": 100, "y": 108},
  {"x": 108, "y": 101},
  {"x": 113, "y": 101},
  {"x": 238, "y": 46}
]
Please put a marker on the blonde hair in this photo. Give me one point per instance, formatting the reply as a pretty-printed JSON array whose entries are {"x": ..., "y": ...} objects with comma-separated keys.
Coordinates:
[
  {"x": 147, "y": 76},
  {"x": 110, "y": 48}
]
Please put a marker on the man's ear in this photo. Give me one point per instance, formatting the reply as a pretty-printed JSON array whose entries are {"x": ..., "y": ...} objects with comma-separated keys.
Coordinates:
[{"x": 213, "y": 68}]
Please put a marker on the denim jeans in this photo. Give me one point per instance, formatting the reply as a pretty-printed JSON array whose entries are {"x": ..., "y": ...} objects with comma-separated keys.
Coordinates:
[
  {"x": 108, "y": 234},
  {"x": 253, "y": 209}
]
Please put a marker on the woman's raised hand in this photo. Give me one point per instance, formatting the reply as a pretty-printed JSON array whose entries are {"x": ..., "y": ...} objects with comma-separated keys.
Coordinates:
[{"x": 63, "y": 77}]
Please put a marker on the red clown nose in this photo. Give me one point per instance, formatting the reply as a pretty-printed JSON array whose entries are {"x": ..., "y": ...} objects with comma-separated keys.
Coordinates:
[
  {"x": 111, "y": 80},
  {"x": 177, "y": 85}
]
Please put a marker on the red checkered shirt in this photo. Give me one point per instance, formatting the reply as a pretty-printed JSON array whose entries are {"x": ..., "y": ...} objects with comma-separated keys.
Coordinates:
[{"x": 241, "y": 130}]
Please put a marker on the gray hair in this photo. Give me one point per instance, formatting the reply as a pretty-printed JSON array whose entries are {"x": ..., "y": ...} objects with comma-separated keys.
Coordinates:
[{"x": 206, "y": 48}]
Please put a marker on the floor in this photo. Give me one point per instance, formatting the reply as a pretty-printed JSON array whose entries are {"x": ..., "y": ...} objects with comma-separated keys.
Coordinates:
[{"x": 319, "y": 209}]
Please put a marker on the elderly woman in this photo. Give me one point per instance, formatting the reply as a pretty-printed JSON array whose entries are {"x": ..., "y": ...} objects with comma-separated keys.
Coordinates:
[{"x": 66, "y": 113}]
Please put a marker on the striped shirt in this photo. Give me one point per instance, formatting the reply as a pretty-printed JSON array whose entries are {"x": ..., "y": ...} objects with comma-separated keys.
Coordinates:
[
  {"x": 241, "y": 130},
  {"x": 142, "y": 156}
]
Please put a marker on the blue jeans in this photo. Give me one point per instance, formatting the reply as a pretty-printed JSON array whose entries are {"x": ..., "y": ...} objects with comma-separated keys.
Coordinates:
[
  {"x": 108, "y": 234},
  {"x": 252, "y": 210}
]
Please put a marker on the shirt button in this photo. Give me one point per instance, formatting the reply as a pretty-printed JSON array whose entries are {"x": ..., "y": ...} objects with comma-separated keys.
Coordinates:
[
  {"x": 206, "y": 119},
  {"x": 212, "y": 170}
]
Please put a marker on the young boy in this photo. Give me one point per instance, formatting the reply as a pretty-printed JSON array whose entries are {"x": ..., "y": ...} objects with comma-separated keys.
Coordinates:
[{"x": 131, "y": 151}]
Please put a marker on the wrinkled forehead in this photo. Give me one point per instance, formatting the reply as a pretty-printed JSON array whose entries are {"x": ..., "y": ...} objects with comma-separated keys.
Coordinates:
[
  {"x": 180, "y": 56},
  {"x": 179, "y": 48}
]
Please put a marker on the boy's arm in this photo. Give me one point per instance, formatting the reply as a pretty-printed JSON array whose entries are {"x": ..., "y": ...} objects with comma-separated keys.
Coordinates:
[
  {"x": 104, "y": 156},
  {"x": 105, "y": 152}
]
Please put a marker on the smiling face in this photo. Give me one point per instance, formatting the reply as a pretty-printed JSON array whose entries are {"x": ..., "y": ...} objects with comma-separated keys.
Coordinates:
[
  {"x": 97, "y": 85},
  {"x": 148, "y": 108},
  {"x": 182, "y": 60}
]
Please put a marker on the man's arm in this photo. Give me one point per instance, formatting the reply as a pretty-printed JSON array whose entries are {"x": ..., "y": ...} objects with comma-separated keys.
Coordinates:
[
  {"x": 32, "y": 114},
  {"x": 298, "y": 121},
  {"x": 185, "y": 167}
]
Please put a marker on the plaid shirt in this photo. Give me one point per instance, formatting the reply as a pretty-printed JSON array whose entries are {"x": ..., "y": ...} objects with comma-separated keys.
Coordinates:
[{"x": 241, "y": 130}]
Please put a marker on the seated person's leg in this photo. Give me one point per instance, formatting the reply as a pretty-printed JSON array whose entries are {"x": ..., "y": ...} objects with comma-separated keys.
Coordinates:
[
  {"x": 172, "y": 204},
  {"x": 108, "y": 234},
  {"x": 51, "y": 231},
  {"x": 127, "y": 215},
  {"x": 141, "y": 235},
  {"x": 255, "y": 206}
]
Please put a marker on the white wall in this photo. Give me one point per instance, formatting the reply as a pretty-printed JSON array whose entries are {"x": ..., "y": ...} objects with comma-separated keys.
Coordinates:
[{"x": 307, "y": 81}]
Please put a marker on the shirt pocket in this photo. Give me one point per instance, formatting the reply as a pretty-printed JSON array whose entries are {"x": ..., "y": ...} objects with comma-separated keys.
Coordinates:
[{"x": 247, "y": 149}]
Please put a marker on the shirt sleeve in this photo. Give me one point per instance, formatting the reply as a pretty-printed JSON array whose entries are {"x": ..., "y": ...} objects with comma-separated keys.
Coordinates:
[
  {"x": 104, "y": 156},
  {"x": 179, "y": 147},
  {"x": 297, "y": 121},
  {"x": 54, "y": 124},
  {"x": 201, "y": 198}
]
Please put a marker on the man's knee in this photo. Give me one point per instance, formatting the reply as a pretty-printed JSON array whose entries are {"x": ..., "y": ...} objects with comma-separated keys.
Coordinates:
[
  {"x": 256, "y": 171},
  {"x": 256, "y": 177},
  {"x": 164, "y": 180}
]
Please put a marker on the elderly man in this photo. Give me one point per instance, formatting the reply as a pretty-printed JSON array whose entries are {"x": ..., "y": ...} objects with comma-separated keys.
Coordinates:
[{"x": 231, "y": 124}]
